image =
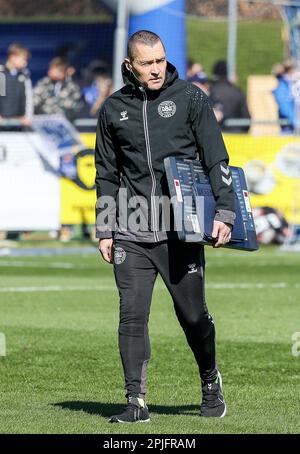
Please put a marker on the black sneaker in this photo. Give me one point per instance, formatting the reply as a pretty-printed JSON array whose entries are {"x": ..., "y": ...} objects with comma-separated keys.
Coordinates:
[
  {"x": 213, "y": 403},
  {"x": 134, "y": 412}
]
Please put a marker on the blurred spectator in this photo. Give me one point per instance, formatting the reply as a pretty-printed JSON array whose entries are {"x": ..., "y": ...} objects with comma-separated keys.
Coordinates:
[
  {"x": 57, "y": 93},
  {"x": 193, "y": 68},
  {"x": 18, "y": 100},
  {"x": 230, "y": 99},
  {"x": 285, "y": 95},
  {"x": 270, "y": 225},
  {"x": 96, "y": 93},
  {"x": 201, "y": 81},
  {"x": 95, "y": 67}
]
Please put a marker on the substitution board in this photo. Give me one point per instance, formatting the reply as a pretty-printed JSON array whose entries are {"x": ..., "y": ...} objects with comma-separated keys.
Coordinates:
[{"x": 194, "y": 204}]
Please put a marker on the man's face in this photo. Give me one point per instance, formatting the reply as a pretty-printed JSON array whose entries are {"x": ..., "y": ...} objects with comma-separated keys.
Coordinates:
[
  {"x": 57, "y": 73},
  {"x": 149, "y": 65},
  {"x": 194, "y": 69}
]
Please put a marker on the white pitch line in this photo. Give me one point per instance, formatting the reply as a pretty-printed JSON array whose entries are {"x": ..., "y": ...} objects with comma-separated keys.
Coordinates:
[
  {"x": 55, "y": 289},
  {"x": 64, "y": 265},
  {"x": 216, "y": 286},
  {"x": 68, "y": 265},
  {"x": 59, "y": 265},
  {"x": 228, "y": 285}
]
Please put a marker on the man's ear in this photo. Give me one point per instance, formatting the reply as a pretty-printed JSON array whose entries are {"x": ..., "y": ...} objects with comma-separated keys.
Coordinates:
[{"x": 128, "y": 64}]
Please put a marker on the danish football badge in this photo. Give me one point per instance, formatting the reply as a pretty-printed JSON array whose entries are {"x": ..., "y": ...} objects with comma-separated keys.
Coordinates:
[
  {"x": 167, "y": 109},
  {"x": 119, "y": 255}
]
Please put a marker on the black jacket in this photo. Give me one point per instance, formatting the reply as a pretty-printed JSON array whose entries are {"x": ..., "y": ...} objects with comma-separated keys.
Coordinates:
[
  {"x": 137, "y": 129},
  {"x": 232, "y": 101}
]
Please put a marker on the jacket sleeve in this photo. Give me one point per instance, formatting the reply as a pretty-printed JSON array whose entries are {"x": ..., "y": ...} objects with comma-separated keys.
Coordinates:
[
  {"x": 213, "y": 154},
  {"x": 71, "y": 108},
  {"x": 107, "y": 178},
  {"x": 244, "y": 112},
  {"x": 38, "y": 100},
  {"x": 29, "y": 98}
]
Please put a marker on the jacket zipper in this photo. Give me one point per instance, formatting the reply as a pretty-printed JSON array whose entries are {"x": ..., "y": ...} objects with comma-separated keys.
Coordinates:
[{"x": 148, "y": 149}]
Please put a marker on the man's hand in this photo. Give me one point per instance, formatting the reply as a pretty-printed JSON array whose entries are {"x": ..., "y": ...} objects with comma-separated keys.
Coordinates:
[
  {"x": 105, "y": 248},
  {"x": 221, "y": 233}
]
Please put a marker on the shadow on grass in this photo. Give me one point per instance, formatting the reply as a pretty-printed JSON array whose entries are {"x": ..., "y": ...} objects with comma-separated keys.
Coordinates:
[{"x": 107, "y": 409}]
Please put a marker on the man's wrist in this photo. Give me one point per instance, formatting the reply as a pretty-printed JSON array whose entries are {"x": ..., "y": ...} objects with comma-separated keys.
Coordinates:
[{"x": 226, "y": 216}]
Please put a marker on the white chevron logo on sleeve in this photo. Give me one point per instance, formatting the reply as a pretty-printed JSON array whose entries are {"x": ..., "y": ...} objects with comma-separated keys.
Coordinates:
[
  {"x": 225, "y": 170},
  {"x": 228, "y": 181}
]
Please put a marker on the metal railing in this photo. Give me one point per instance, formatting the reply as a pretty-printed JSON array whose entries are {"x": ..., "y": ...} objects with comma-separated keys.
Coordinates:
[{"x": 91, "y": 123}]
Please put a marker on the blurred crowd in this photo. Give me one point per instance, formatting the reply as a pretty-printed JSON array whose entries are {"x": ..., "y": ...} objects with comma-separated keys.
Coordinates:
[{"x": 63, "y": 91}]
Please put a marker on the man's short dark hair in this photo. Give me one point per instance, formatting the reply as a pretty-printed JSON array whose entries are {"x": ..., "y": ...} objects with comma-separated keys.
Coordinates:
[
  {"x": 220, "y": 69},
  {"x": 142, "y": 36},
  {"x": 191, "y": 62}
]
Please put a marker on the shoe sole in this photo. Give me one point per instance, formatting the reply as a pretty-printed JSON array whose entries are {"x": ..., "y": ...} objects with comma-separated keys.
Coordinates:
[
  {"x": 224, "y": 412},
  {"x": 130, "y": 422}
]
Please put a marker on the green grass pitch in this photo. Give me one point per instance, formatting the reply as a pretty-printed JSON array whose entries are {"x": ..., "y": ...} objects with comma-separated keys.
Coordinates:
[{"x": 62, "y": 372}]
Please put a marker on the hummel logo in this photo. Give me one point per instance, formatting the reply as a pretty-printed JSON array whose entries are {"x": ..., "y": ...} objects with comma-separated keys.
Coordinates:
[
  {"x": 124, "y": 115},
  {"x": 227, "y": 181},
  {"x": 225, "y": 170}
]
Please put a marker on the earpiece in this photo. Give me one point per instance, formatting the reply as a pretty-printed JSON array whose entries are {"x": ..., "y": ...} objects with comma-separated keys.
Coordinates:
[{"x": 128, "y": 65}]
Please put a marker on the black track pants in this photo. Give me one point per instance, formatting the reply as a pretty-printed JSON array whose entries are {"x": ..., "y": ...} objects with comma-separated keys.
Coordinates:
[{"x": 181, "y": 266}]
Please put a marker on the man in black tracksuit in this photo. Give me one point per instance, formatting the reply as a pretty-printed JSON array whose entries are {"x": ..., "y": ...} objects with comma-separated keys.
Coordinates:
[{"x": 156, "y": 115}]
